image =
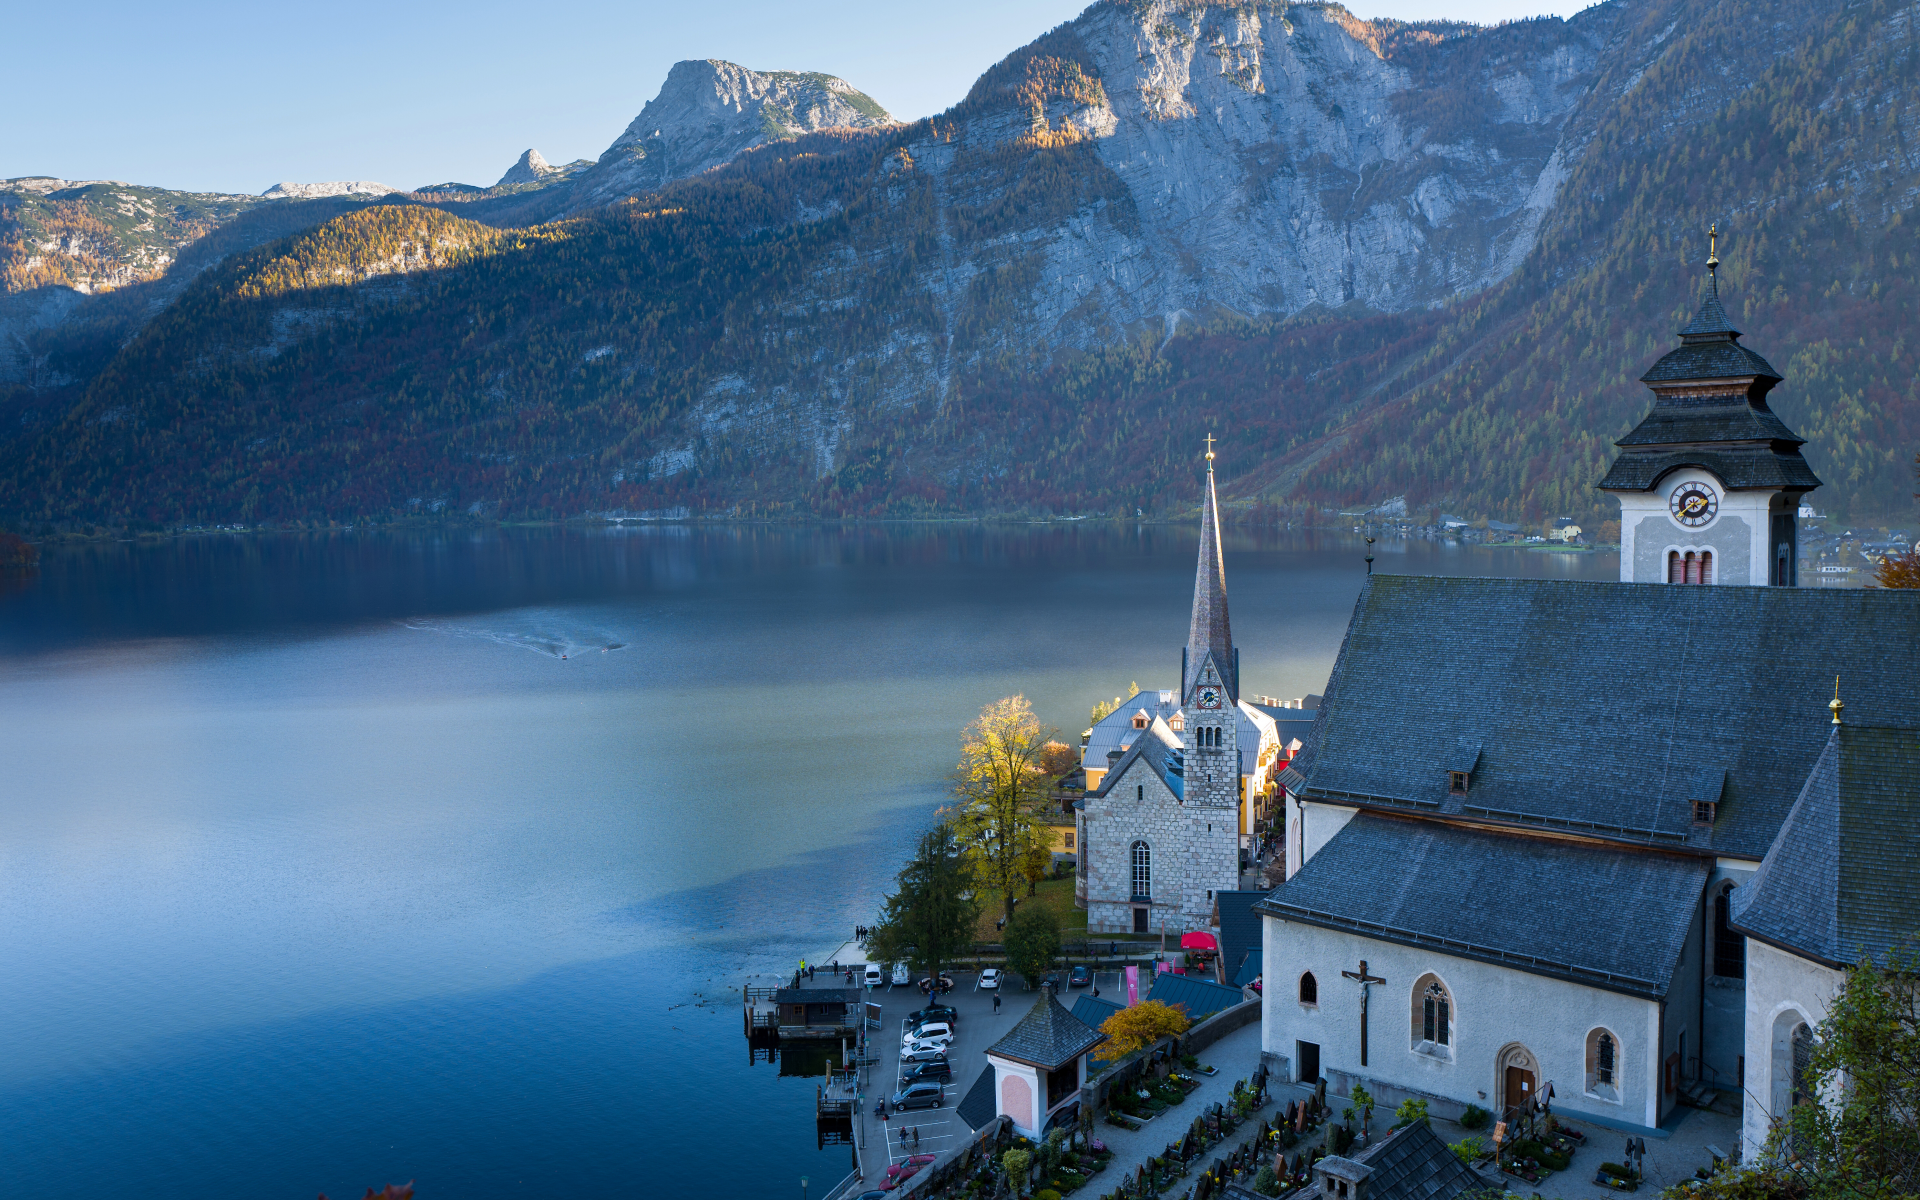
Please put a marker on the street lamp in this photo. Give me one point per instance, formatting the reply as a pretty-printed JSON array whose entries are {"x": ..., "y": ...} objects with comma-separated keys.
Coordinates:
[{"x": 803, "y": 1187}]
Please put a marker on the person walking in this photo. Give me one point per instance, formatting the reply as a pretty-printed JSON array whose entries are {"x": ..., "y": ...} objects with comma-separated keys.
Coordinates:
[
  {"x": 996, "y": 1002},
  {"x": 916, "y": 1137}
]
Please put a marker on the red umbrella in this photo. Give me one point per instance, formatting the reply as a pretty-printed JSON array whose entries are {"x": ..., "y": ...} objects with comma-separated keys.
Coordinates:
[{"x": 1199, "y": 941}]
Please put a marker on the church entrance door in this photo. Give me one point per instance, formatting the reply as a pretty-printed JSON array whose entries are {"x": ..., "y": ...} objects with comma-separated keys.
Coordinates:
[
  {"x": 1519, "y": 1087},
  {"x": 1309, "y": 1061},
  {"x": 1140, "y": 920}
]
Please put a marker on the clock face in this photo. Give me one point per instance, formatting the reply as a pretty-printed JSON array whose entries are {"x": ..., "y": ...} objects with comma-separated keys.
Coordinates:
[
  {"x": 1209, "y": 697},
  {"x": 1693, "y": 504}
]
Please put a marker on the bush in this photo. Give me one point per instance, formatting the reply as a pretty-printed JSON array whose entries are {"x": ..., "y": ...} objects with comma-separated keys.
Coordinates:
[
  {"x": 1339, "y": 1139},
  {"x": 1046, "y": 1194},
  {"x": 1469, "y": 1150},
  {"x": 1409, "y": 1112},
  {"x": 1266, "y": 1182},
  {"x": 1475, "y": 1117}
]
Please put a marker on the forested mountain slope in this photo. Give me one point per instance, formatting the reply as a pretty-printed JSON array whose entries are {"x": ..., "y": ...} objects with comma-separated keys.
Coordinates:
[{"x": 1377, "y": 258}]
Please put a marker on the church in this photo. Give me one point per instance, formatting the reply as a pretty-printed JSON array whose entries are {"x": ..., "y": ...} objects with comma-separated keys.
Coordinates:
[
  {"x": 1177, "y": 781},
  {"x": 1549, "y": 839}
]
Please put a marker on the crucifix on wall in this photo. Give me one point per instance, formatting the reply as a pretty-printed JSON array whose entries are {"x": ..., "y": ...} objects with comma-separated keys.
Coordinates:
[{"x": 1365, "y": 980}]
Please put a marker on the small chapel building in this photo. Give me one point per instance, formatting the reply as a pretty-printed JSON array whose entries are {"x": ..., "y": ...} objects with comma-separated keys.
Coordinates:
[
  {"x": 1177, "y": 780},
  {"x": 1535, "y": 835}
]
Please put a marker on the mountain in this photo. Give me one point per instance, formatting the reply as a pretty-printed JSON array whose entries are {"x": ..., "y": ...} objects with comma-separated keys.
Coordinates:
[
  {"x": 1381, "y": 259},
  {"x": 531, "y": 168},
  {"x": 707, "y": 113},
  {"x": 316, "y": 191}
]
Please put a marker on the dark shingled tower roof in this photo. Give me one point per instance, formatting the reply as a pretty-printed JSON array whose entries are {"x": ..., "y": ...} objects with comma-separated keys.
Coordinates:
[
  {"x": 1838, "y": 880},
  {"x": 1048, "y": 1037},
  {"x": 1710, "y": 411},
  {"x": 1210, "y": 633}
]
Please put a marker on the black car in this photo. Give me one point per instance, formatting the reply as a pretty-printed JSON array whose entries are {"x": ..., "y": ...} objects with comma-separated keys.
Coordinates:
[
  {"x": 933, "y": 1012},
  {"x": 1080, "y": 976},
  {"x": 938, "y": 1070}
]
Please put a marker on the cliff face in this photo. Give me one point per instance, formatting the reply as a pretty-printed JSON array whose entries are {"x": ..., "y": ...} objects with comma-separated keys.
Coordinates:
[
  {"x": 1387, "y": 260},
  {"x": 707, "y": 113}
]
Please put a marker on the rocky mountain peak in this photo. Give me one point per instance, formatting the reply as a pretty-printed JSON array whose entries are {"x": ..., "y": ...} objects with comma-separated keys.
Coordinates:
[
  {"x": 709, "y": 111},
  {"x": 311, "y": 191},
  {"x": 530, "y": 169}
]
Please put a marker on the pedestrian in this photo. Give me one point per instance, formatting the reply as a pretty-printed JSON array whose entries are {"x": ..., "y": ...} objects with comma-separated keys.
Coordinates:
[
  {"x": 903, "y": 1135},
  {"x": 916, "y": 1137},
  {"x": 996, "y": 1002}
]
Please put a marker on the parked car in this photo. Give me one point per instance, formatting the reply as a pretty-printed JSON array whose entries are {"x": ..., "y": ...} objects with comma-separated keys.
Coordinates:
[
  {"x": 990, "y": 978},
  {"x": 939, "y": 1069},
  {"x": 1080, "y": 976},
  {"x": 901, "y": 975},
  {"x": 1051, "y": 981},
  {"x": 934, "y": 1012},
  {"x": 911, "y": 1048},
  {"x": 933, "y": 1054},
  {"x": 875, "y": 976},
  {"x": 946, "y": 984},
  {"x": 930, "y": 1029},
  {"x": 926, "y": 1094}
]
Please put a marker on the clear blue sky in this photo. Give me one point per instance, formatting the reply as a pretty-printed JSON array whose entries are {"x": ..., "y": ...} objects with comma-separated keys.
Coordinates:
[{"x": 212, "y": 95}]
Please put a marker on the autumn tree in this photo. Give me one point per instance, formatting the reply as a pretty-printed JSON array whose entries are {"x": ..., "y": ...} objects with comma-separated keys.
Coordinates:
[
  {"x": 1058, "y": 758},
  {"x": 1899, "y": 570},
  {"x": 1106, "y": 708},
  {"x": 929, "y": 918},
  {"x": 1036, "y": 861},
  {"x": 1134, "y": 1029},
  {"x": 1032, "y": 941},
  {"x": 1859, "y": 1133},
  {"x": 1001, "y": 785}
]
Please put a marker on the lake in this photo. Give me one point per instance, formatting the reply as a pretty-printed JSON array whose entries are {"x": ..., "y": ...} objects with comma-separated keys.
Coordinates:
[{"x": 334, "y": 860}]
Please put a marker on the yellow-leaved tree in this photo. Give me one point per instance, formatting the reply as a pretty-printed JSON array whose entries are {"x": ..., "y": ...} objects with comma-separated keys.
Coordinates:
[
  {"x": 1134, "y": 1029},
  {"x": 1001, "y": 783}
]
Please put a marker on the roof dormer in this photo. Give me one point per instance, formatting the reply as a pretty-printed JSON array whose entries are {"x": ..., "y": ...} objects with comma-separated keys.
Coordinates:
[
  {"x": 1141, "y": 720},
  {"x": 1459, "y": 764}
]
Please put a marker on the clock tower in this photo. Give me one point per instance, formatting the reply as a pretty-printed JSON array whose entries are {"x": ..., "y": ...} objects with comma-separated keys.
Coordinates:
[
  {"x": 1710, "y": 481},
  {"x": 1210, "y": 729}
]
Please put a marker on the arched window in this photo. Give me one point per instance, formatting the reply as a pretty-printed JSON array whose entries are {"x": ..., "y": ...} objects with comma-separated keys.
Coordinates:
[
  {"x": 1691, "y": 567},
  {"x": 1802, "y": 1061},
  {"x": 1309, "y": 989},
  {"x": 1432, "y": 1017},
  {"x": 1729, "y": 948},
  {"x": 1603, "y": 1065},
  {"x": 1142, "y": 870}
]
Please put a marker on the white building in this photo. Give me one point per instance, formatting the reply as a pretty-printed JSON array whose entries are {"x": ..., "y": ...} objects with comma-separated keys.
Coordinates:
[
  {"x": 1837, "y": 883},
  {"x": 1515, "y": 834}
]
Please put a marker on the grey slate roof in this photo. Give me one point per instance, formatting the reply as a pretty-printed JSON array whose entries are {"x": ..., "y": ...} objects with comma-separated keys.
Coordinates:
[
  {"x": 1597, "y": 704},
  {"x": 1737, "y": 467},
  {"x": 1742, "y": 422},
  {"x": 1159, "y": 757},
  {"x": 1239, "y": 928},
  {"x": 1092, "y": 1011},
  {"x": 1415, "y": 1164},
  {"x": 1209, "y": 632},
  {"x": 1289, "y": 723},
  {"x": 1710, "y": 349},
  {"x": 1200, "y": 997},
  {"x": 1840, "y": 879},
  {"x": 1047, "y": 1037},
  {"x": 976, "y": 1108},
  {"x": 1618, "y": 919},
  {"x": 1115, "y": 731}
]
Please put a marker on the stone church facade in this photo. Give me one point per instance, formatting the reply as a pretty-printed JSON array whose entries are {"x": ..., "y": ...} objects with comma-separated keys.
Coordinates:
[
  {"x": 1161, "y": 832},
  {"x": 1522, "y": 835}
]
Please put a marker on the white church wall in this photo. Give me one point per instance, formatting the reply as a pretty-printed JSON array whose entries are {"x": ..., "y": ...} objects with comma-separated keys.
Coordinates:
[
  {"x": 1737, "y": 535},
  {"x": 1317, "y": 823},
  {"x": 1495, "y": 1010},
  {"x": 1783, "y": 990},
  {"x": 1723, "y": 1003}
]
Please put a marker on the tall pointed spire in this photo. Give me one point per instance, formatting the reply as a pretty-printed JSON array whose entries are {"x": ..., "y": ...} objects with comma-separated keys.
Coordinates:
[{"x": 1209, "y": 631}]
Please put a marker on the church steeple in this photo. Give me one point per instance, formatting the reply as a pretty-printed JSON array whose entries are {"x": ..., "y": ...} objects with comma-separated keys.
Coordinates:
[
  {"x": 1710, "y": 480},
  {"x": 1209, "y": 633}
]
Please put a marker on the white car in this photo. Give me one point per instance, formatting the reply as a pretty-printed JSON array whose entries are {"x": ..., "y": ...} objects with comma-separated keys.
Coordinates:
[
  {"x": 902, "y": 976},
  {"x": 930, "y": 1031},
  {"x": 990, "y": 978},
  {"x": 914, "y": 1046},
  {"x": 874, "y": 976}
]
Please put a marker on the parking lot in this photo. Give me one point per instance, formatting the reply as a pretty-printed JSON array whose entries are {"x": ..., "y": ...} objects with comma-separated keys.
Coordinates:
[{"x": 976, "y": 1028}]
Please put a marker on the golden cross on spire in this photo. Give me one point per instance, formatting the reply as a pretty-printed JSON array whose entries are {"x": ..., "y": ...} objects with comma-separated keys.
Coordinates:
[
  {"x": 1209, "y": 447},
  {"x": 1835, "y": 704},
  {"x": 1713, "y": 246}
]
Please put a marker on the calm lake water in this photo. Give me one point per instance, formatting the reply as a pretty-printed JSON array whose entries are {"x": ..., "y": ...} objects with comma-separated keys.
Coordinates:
[{"x": 329, "y": 861}]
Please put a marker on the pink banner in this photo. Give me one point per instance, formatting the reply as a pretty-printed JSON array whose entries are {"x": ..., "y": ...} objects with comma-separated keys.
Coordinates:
[{"x": 1133, "y": 986}]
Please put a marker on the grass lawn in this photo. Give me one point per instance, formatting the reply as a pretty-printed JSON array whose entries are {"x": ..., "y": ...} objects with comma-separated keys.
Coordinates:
[{"x": 1056, "y": 895}]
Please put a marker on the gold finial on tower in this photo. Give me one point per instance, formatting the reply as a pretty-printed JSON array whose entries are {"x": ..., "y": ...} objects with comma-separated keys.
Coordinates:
[
  {"x": 1713, "y": 246},
  {"x": 1209, "y": 451},
  {"x": 1835, "y": 705}
]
